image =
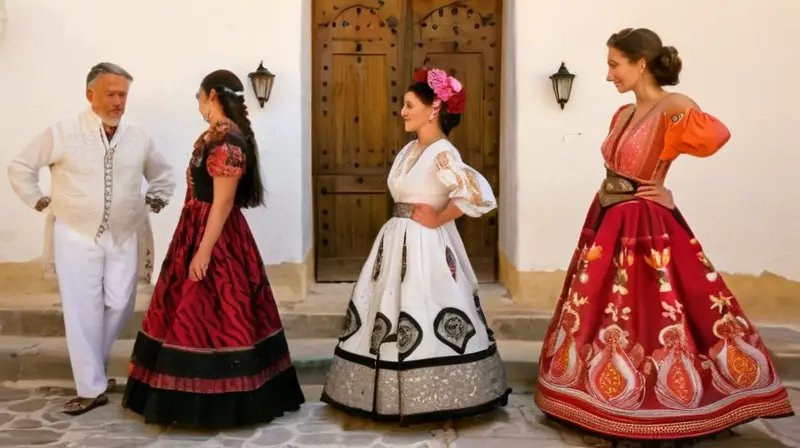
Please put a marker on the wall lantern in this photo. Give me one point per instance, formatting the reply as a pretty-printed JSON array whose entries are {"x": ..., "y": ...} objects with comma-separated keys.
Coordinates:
[
  {"x": 562, "y": 84},
  {"x": 262, "y": 80}
]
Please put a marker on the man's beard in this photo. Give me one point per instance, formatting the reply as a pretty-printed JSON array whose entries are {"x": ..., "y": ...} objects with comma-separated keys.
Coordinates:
[{"x": 111, "y": 121}]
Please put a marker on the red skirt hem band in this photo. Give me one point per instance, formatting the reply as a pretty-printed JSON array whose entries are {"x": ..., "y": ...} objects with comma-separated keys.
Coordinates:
[
  {"x": 662, "y": 429},
  {"x": 206, "y": 385}
]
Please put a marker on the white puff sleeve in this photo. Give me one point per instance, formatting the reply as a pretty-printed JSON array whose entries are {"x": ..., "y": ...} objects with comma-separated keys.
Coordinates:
[{"x": 468, "y": 188}]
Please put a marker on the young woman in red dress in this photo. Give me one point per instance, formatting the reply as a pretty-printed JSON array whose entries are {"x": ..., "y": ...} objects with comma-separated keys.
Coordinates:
[
  {"x": 647, "y": 341},
  {"x": 212, "y": 352}
]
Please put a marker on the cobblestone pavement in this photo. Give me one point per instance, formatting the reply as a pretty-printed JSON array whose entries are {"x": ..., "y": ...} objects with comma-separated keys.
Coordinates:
[{"x": 32, "y": 417}]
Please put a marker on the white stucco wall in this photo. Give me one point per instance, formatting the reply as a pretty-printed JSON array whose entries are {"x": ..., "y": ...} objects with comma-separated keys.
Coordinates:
[
  {"x": 509, "y": 194},
  {"x": 743, "y": 72},
  {"x": 3, "y": 20},
  {"x": 168, "y": 47},
  {"x": 739, "y": 64}
]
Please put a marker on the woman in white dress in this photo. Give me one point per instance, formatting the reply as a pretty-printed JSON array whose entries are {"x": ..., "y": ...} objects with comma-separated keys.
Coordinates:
[{"x": 415, "y": 346}]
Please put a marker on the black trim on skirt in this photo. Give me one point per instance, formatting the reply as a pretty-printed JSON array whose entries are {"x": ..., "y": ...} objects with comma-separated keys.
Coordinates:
[{"x": 277, "y": 395}]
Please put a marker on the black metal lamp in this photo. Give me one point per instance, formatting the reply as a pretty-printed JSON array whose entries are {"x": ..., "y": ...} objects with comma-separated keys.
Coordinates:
[
  {"x": 562, "y": 84},
  {"x": 262, "y": 80}
]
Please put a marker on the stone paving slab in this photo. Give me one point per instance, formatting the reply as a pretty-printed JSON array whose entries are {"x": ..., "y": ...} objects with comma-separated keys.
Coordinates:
[{"x": 32, "y": 417}]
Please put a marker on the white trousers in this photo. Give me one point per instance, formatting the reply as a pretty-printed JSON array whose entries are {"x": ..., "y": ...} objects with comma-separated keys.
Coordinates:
[{"x": 97, "y": 281}]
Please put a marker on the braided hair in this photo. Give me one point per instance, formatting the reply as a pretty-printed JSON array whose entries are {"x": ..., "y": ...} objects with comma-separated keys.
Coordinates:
[{"x": 230, "y": 96}]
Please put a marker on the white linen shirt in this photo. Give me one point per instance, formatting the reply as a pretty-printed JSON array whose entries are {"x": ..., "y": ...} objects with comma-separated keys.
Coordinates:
[{"x": 97, "y": 185}]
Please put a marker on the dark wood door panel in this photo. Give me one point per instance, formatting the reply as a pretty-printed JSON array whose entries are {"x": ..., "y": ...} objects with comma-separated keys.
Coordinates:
[
  {"x": 357, "y": 82},
  {"x": 365, "y": 53},
  {"x": 463, "y": 39},
  {"x": 346, "y": 210}
]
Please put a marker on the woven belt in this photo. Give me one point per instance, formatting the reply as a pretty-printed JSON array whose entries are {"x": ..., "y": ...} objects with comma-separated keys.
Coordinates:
[
  {"x": 402, "y": 210},
  {"x": 616, "y": 189}
]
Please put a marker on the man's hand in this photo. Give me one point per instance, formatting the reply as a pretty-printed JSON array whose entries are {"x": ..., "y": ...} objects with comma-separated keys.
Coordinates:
[
  {"x": 42, "y": 204},
  {"x": 156, "y": 204}
]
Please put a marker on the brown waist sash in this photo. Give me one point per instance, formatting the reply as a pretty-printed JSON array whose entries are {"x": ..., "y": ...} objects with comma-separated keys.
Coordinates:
[{"x": 616, "y": 189}]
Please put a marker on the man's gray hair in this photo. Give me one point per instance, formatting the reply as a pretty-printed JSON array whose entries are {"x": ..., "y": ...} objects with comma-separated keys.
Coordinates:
[{"x": 106, "y": 68}]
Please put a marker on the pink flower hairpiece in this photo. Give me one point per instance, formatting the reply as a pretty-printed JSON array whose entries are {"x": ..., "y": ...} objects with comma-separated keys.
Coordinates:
[{"x": 447, "y": 88}]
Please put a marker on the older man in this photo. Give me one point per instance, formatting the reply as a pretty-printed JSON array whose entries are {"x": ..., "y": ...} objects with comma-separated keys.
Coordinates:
[{"x": 98, "y": 162}]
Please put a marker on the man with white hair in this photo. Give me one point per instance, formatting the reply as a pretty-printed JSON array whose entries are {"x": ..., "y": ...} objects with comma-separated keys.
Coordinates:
[{"x": 98, "y": 162}]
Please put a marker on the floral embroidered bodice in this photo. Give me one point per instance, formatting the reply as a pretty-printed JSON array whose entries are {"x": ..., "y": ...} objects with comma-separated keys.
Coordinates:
[
  {"x": 217, "y": 152},
  {"x": 436, "y": 175},
  {"x": 645, "y": 150}
]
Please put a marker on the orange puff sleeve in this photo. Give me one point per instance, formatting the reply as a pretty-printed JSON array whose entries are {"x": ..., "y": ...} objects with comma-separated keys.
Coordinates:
[{"x": 693, "y": 132}]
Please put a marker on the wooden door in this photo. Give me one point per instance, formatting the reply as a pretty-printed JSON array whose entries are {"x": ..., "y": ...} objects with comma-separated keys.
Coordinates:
[
  {"x": 365, "y": 52},
  {"x": 358, "y": 80},
  {"x": 463, "y": 38}
]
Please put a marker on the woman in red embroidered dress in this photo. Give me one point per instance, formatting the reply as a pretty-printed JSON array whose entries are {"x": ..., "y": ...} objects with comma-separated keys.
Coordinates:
[
  {"x": 212, "y": 352},
  {"x": 647, "y": 341}
]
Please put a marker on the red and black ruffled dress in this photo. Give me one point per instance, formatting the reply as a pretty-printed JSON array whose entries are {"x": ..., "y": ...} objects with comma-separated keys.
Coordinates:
[{"x": 212, "y": 354}]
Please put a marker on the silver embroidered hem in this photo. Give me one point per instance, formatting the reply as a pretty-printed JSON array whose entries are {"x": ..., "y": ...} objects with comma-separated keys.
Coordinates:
[{"x": 418, "y": 391}]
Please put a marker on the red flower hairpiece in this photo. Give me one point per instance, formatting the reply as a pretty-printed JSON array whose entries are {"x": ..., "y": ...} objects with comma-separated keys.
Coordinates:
[
  {"x": 447, "y": 88},
  {"x": 421, "y": 75}
]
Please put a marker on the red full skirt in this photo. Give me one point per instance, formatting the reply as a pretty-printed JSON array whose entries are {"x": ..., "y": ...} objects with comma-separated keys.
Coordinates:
[
  {"x": 647, "y": 341},
  {"x": 212, "y": 354}
]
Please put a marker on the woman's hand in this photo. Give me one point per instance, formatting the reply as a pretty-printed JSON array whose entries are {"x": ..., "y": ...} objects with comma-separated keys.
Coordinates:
[
  {"x": 426, "y": 215},
  {"x": 199, "y": 265},
  {"x": 657, "y": 193}
]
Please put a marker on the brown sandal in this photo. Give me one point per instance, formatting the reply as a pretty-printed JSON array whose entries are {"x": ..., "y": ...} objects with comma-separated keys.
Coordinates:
[
  {"x": 112, "y": 384},
  {"x": 78, "y": 405}
]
